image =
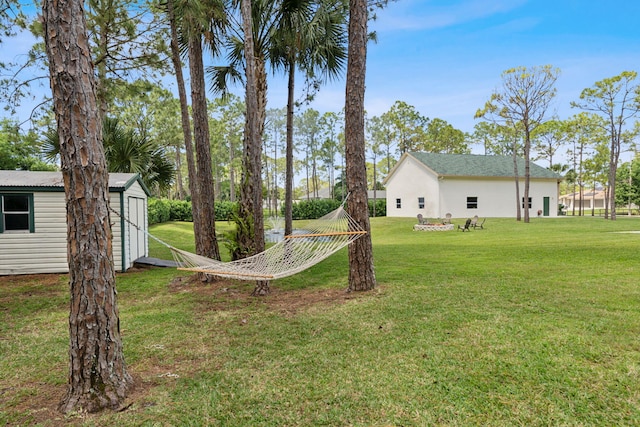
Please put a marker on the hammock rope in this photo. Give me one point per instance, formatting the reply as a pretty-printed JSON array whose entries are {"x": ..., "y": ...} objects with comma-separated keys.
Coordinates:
[{"x": 319, "y": 239}]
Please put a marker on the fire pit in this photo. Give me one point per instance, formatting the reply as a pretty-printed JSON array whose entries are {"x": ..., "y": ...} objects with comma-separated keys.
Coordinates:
[{"x": 433, "y": 227}]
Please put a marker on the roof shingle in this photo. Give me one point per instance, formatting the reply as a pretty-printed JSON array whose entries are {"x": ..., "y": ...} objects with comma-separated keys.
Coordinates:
[{"x": 479, "y": 165}]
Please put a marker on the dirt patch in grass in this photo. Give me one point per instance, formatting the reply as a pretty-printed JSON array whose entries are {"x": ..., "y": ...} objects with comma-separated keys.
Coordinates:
[
  {"x": 227, "y": 295},
  {"x": 36, "y": 403},
  {"x": 39, "y": 406},
  {"x": 31, "y": 285}
]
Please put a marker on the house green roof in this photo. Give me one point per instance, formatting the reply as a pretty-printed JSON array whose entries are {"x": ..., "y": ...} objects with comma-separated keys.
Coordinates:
[{"x": 479, "y": 165}]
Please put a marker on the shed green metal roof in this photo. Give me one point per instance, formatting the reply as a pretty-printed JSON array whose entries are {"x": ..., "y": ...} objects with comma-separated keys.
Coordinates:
[
  {"x": 479, "y": 165},
  {"x": 12, "y": 180}
]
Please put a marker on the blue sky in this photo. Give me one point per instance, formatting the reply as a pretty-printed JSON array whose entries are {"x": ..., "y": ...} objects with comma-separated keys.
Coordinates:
[{"x": 445, "y": 57}]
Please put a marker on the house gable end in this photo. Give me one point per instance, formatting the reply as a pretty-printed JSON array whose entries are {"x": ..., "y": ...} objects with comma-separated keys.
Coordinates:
[{"x": 404, "y": 158}]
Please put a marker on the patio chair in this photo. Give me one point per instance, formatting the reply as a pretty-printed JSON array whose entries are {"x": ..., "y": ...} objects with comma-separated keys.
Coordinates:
[
  {"x": 447, "y": 218},
  {"x": 422, "y": 220},
  {"x": 466, "y": 226},
  {"x": 474, "y": 221},
  {"x": 479, "y": 225}
]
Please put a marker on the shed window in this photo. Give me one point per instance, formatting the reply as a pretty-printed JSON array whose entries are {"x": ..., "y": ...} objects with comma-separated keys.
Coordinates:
[
  {"x": 398, "y": 203},
  {"x": 526, "y": 207},
  {"x": 16, "y": 213},
  {"x": 472, "y": 202},
  {"x": 420, "y": 202}
]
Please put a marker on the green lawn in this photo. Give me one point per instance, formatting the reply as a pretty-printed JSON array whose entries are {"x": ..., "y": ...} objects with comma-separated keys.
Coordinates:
[{"x": 518, "y": 324}]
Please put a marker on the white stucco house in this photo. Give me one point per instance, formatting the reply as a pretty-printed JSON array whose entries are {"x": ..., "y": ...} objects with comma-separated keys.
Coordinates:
[
  {"x": 33, "y": 229},
  {"x": 587, "y": 200},
  {"x": 465, "y": 185}
]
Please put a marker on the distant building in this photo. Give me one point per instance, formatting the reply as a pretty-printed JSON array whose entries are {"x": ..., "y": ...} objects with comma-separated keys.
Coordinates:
[
  {"x": 589, "y": 199},
  {"x": 465, "y": 185},
  {"x": 325, "y": 193}
]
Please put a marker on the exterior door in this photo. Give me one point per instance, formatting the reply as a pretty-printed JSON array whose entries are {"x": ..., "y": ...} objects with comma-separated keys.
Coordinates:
[
  {"x": 137, "y": 238},
  {"x": 545, "y": 206}
]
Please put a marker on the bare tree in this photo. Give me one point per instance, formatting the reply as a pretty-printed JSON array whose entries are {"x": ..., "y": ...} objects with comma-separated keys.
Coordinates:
[
  {"x": 361, "y": 273},
  {"x": 617, "y": 100},
  {"x": 523, "y": 100},
  {"x": 98, "y": 376}
]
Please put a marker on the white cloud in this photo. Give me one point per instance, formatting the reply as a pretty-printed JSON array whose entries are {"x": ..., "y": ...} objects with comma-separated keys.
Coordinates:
[{"x": 419, "y": 15}]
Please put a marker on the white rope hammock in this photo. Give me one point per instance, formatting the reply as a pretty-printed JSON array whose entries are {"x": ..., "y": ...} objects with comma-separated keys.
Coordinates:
[{"x": 294, "y": 253}]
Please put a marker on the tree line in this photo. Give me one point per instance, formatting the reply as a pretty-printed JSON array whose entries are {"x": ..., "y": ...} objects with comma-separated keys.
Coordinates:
[
  {"x": 519, "y": 124},
  {"x": 147, "y": 138}
]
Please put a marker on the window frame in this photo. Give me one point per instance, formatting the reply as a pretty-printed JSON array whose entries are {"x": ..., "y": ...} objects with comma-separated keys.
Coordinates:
[
  {"x": 530, "y": 203},
  {"x": 420, "y": 202},
  {"x": 471, "y": 203},
  {"x": 30, "y": 214},
  {"x": 398, "y": 203}
]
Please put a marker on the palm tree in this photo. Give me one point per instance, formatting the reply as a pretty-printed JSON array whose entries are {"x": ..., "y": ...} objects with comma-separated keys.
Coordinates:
[
  {"x": 194, "y": 19},
  {"x": 185, "y": 119},
  {"x": 274, "y": 26},
  {"x": 251, "y": 194},
  {"x": 250, "y": 222},
  {"x": 125, "y": 151},
  {"x": 311, "y": 36}
]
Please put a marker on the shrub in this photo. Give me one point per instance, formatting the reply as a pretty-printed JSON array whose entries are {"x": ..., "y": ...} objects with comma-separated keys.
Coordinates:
[
  {"x": 181, "y": 210},
  {"x": 163, "y": 210},
  {"x": 159, "y": 210},
  {"x": 312, "y": 209},
  {"x": 380, "y": 207},
  {"x": 225, "y": 210}
]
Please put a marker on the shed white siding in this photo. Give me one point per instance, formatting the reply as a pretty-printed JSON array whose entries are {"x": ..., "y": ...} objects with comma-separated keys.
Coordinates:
[{"x": 45, "y": 249}]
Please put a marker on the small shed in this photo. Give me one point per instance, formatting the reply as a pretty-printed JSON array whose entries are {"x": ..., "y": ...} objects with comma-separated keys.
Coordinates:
[{"x": 33, "y": 228}]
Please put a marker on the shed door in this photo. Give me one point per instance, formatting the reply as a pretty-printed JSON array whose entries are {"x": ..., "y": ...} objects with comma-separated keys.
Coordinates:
[{"x": 137, "y": 238}]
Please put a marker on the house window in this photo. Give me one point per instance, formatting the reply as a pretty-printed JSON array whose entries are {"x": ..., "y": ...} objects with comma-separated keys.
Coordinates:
[
  {"x": 16, "y": 213},
  {"x": 398, "y": 203},
  {"x": 420, "y": 202},
  {"x": 526, "y": 207},
  {"x": 472, "y": 202}
]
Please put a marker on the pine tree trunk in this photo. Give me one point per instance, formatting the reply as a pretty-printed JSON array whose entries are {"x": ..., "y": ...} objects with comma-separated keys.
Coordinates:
[
  {"x": 252, "y": 238},
  {"x": 98, "y": 377},
  {"x": 361, "y": 274},
  {"x": 288, "y": 195},
  {"x": 184, "y": 115},
  {"x": 517, "y": 182},
  {"x": 256, "y": 154},
  {"x": 206, "y": 243},
  {"x": 527, "y": 172}
]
